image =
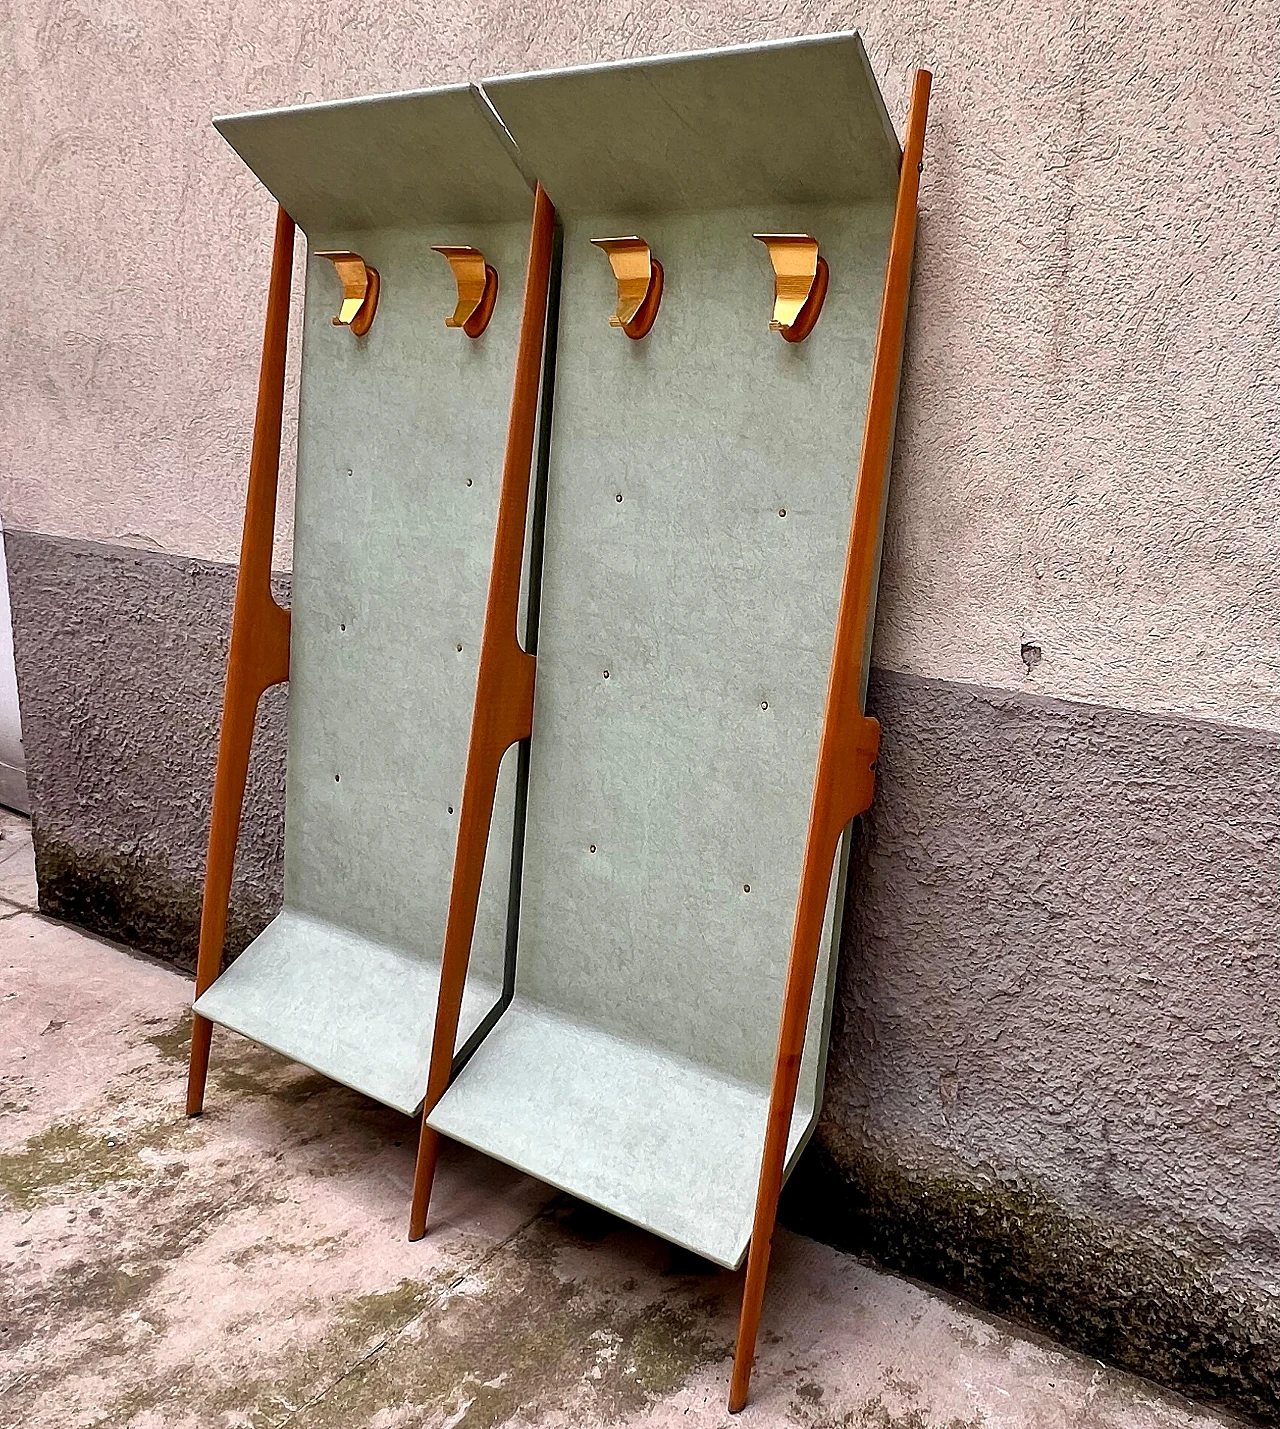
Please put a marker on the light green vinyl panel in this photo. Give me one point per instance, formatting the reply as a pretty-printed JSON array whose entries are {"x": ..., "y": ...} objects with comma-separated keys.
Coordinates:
[
  {"x": 400, "y": 450},
  {"x": 700, "y": 495}
]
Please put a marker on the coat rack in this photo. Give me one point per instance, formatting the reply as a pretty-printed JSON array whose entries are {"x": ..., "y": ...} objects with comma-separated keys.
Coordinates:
[
  {"x": 403, "y": 437},
  {"x": 699, "y": 744},
  {"x": 566, "y": 820}
]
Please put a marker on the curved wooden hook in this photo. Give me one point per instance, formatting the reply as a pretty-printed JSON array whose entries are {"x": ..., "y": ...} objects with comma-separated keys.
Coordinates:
[
  {"x": 800, "y": 279},
  {"x": 639, "y": 277},
  {"x": 360, "y": 286},
  {"x": 477, "y": 287}
]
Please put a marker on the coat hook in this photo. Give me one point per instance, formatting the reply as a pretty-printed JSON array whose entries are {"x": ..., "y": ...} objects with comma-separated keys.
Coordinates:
[
  {"x": 639, "y": 276},
  {"x": 800, "y": 277},
  {"x": 477, "y": 288},
  {"x": 360, "y": 286}
]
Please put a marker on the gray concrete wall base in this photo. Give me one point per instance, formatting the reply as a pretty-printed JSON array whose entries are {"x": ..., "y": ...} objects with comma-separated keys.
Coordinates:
[
  {"x": 1054, "y": 1055},
  {"x": 1011, "y": 1248},
  {"x": 123, "y": 654},
  {"x": 1051, "y": 1084}
]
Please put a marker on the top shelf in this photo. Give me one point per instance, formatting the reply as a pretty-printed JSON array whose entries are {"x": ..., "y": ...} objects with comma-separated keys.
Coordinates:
[
  {"x": 755, "y": 126},
  {"x": 392, "y": 161},
  {"x": 789, "y": 122}
]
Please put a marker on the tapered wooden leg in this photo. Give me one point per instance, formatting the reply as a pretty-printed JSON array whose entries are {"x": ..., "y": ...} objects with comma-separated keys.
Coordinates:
[
  {"x": 503, "y": 712},
  {"x": 259, "y": 655},
  {"x": 424, "y": 1179},
  {"x": 826, "y": 825},
  {"x": 749, "y": 1316},
  {"x": 228, "y": 799},
  {"x": 844, "y": 780},
  {"x": 474, "y": 818}
]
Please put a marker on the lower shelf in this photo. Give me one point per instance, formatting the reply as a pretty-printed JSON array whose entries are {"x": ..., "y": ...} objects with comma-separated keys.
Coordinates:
[
  {"x": 356, "y": 1010},
  {"x": 660, "y": 1141}
]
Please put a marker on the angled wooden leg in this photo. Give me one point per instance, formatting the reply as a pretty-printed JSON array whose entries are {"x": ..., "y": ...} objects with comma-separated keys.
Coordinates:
[
  {"x": 239, "y": 710},
  {"x": 503, "y": 713},
  {"x": 845, "y": 780},
  {"x": 259, "y": 655}
]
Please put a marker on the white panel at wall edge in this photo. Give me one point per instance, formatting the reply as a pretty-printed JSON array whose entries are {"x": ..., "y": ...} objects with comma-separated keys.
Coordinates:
[{"x": 13, "y": 769}]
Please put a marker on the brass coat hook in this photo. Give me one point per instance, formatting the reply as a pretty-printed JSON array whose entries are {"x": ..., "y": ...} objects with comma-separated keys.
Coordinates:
[
  {"x": 360, "y": 285},
  {"x": 800, "y": 278},
  {"x": 639, "y": 278},
  {"x": 477, "y": 288}
]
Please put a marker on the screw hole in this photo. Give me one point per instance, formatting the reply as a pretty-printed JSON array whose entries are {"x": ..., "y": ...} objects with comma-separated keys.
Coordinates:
[
  {"x": 592, "y": 849},
  {"x": 337, "y": 778},
  {"x": 746, "y": 888},
  {"x": 342, "y": 626},
  {"x": 606, "y": 674},
  {"x": 350, "y": 472},
  {"x": 782, "y": 511},
  {"x": 451, "y": 808},
  {"x": 458, "y": 648},
  {"x": 618, "y": 497},
  {"x": 468, "y": 481},
  {"x": 764, "y": 704}
]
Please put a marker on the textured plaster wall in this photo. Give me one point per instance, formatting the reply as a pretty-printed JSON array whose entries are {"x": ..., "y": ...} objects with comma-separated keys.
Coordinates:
[
  {"x": 1058, "y": 985},
  {"x": 1053, "y": 1069},
  {"x": 1084, "y": 448},
  {"x": 1052, "y": 1072},
  {"x": 1090, "y": 899},
  {"x": 123, "y": 653}
]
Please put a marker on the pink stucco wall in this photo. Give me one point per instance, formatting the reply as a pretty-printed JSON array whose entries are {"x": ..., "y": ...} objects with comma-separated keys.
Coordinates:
[{"x": 1085, "y": 462}]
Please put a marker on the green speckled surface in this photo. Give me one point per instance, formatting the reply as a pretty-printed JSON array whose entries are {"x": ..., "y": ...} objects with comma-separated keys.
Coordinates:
[
  {"x": 668, "y": 800},
  {"x": 390, "y": 161},
  {"x": 792, "y": 122},
  {"x": 401, "y": 438}
]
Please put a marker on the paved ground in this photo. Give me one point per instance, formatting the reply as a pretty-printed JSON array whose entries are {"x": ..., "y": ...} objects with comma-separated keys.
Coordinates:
[{"x": 250, "y": 1269}]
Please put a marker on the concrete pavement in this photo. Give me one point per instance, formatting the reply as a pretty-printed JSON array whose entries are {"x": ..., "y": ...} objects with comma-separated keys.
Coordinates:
[{"x": 249, "y": 1270}]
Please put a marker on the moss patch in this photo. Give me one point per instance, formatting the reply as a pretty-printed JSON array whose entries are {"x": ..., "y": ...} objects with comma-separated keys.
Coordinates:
[
  {"x": 1017, "y": 1253},
  {"x": 527, "y": 1341},
  {"x": 134, "y": 901},
  {"x": 241, "y": 1067},
  {"x": 14, "y": 1099},
  {"x": 515, "y": 1339},
  {"x": 807, "y": 1412},
  {"x": 174, "y": 1043},
  {"x": 103, "y": 1291},
  {"x": 69, "y": 1155}
]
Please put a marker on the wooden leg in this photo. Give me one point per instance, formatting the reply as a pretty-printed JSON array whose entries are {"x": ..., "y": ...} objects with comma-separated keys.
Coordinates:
[
  {"x": 503, "y": 712},
  {"x": 474, "y": 817},
  {"x": 844, "y": 780},
  {"x": 424, "y": 1178},
  {"x": 259, "y": 655},
  {"x": 228, "y": 798},
  {"x": 806, "y": 945}
]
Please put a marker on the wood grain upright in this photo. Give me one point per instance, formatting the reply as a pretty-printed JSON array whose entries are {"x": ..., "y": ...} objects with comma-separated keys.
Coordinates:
[
  {"x": 845, "y": 778},
  {"x": 503, "y": 712},
  {"x": 259, "y": 655}
]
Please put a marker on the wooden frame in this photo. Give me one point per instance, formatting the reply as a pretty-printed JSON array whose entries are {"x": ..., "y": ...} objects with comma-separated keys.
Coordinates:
[
  {"x": 401, "y": 443},
  {"x": 259, "y": 655},
  {"x": 504, "y": 692},
  {"x": 845, "y": 779},
  {"x": 503, "y": 704}
]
